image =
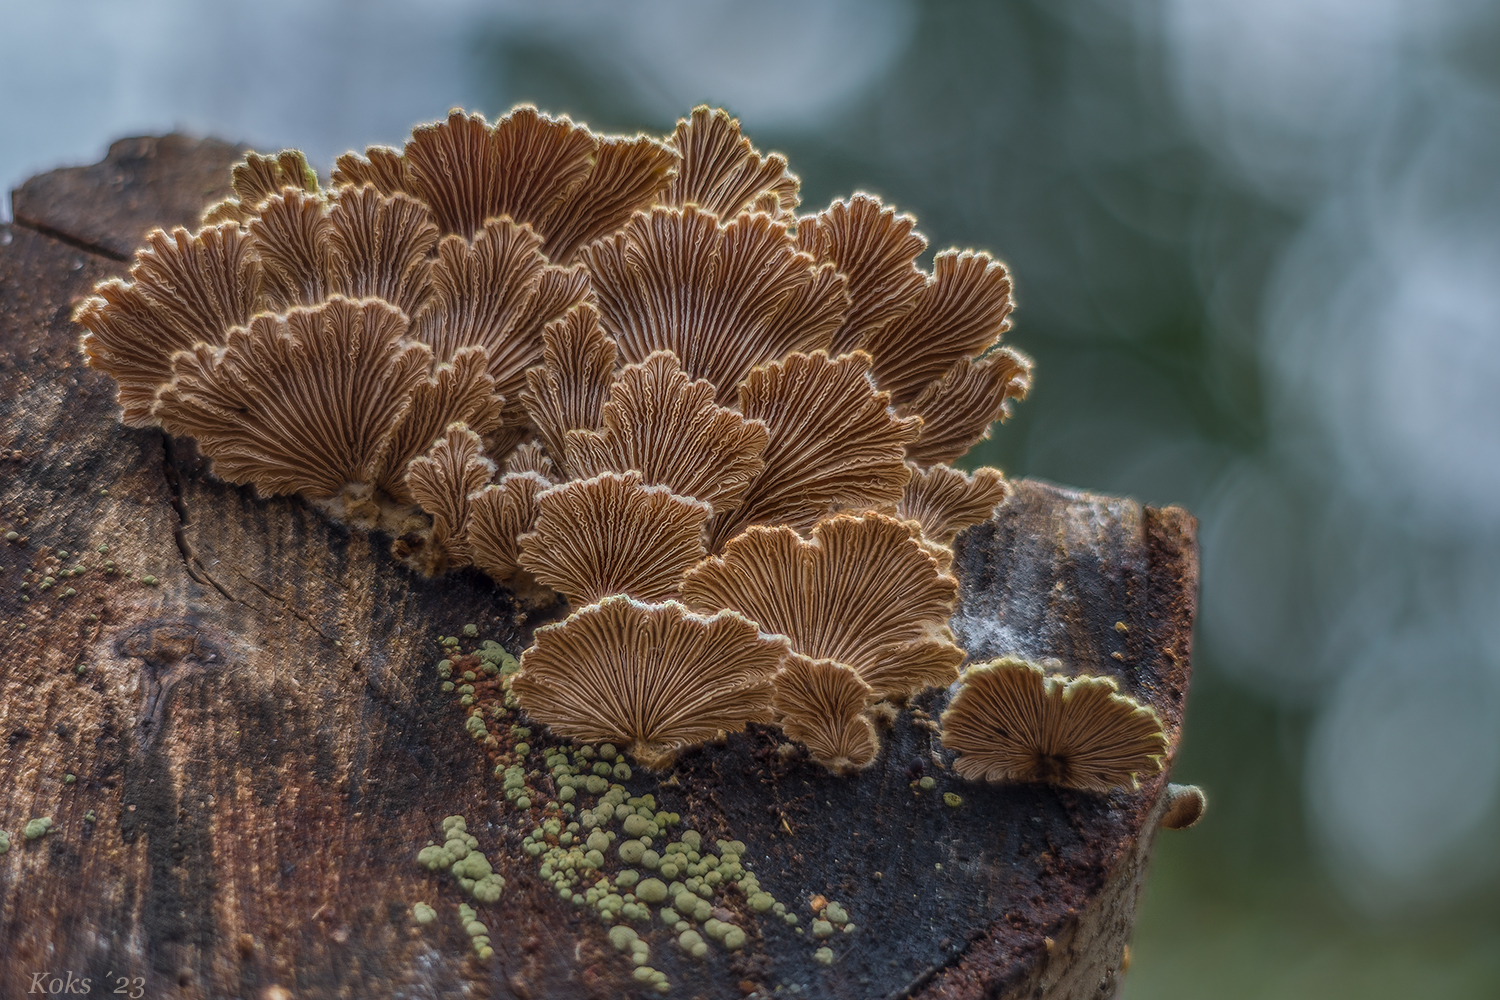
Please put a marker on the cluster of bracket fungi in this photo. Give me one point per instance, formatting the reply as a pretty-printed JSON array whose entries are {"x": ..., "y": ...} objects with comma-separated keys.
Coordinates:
[{"x": 624, "y": 369}]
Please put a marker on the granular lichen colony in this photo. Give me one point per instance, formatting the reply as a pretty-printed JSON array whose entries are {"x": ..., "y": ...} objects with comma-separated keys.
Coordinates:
[{"x": 623, "y": 370}]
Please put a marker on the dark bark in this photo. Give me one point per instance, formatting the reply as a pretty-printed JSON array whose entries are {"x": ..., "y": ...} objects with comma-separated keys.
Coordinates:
[{"x": 261, "y": 739}]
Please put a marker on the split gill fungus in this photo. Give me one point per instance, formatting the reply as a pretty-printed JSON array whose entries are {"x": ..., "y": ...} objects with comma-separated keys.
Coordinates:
[{"x": 622, "y": 368}]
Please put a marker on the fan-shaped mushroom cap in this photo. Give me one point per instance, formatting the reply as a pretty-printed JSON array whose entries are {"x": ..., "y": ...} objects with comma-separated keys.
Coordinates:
[
  {"x": 290, "y": 234},
  {"x": 821, "y": 705},
  {"x": 567, "y": 391},
  {"x": 722, "y": 173},
  {"x": 958, "y": 409},
  {"x": 668, "y": 428},
  {"x": 379, "y": 247},
  {"x": 613, "y": 535},
  {"x": 876, "y": 251},
  {"x": 944, "y": 501},
  {"x": 185, "y": 289},
  {"x": 498, "y": 516},
  {"x": 722, "y": 298},
  {"x": 442, "y": 482},
  {"x": 461, "y": 391},
  {"x": 861, "y": 590},
  {"x": 529, "y": 457},
  {"x": 497, "y": 292},
  {"x": 257, "y": 178},
  {"x": 1012, "y": 721},
  {"x": 568, "y": 184},
  {"x": 651, "y": 677},
  {"x": 834, "y": 443},
  {"x": 302, "y": 403},
  {"x": 960, "y": 314}
]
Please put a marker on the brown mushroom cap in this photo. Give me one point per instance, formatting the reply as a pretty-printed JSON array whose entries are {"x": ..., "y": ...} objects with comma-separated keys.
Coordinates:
[
  {"x": 291, "y": 236},
  {"x": 861, "y": 590},
  {"x": 459, "y": 391},
  {"x": 723, "y": 173},
  {"x": 1012, "y": 721},
  {"x": 834, "y": 443},
  {"x": 570, "y": 185},
  {"x": 821, "y": 705},
  {"x": 304, "y": 403},
  {"x": 612, "y": 534},
  {"x": 442, "y": 482},
  {"x": 960, "y": 314},
  {"x": 724, "y": 299},
  {"x": 668, "y": 428},
  {"x": 876, "y": 250},
  {"x": 530, "y": 457},
  {"x": 567, "y": 391},
  {"x": 185, "y": 289},
  {"x": 379, "y": 247},
  {"x": 651, "y": 677},
  {"x": 944, "y": 501},
  {"x": 498, "y": 516},
  {"x": 257, "y": 178},
  {"x": 958, "y": 409}
]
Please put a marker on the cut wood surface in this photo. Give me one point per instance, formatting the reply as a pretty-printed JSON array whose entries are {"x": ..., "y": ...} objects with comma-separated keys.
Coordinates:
[{"x": 247, "y": 700}]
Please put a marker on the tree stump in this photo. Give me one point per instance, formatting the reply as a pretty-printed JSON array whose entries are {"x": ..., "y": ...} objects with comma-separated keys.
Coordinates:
[{"x": 229, "y": 711}]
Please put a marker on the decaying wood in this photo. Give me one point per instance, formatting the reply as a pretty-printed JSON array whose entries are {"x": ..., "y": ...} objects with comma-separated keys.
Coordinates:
[{"x": 263, "y": 749}]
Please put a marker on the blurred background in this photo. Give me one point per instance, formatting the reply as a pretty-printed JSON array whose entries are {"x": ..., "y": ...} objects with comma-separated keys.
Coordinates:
[{"x": 1257, "y": 254}]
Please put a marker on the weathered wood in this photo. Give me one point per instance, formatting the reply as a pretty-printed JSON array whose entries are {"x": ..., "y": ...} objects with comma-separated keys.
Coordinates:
[{"x": 263, "y": 746}]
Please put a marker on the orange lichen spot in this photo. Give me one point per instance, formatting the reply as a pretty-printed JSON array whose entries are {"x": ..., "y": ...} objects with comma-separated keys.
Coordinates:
[
  {"x": 876, "y": 250},
  {"x": 960, "y": 314},
  {"x": 834, "y": 443},
  {"x": 944, "y": 501},
  {"x": 441, "y": 482},
  {"x": 1013, "y": 721},
  {"x": 379, "y": 247},
  {"x": 724, "y": 174},
  {"x": 653, "y": 678},
  {"x": 860, "y": 590},
  {"x": 257, "y": 178},
  {"x": 567, "y": 390},
  {"x": 498, "y": 516},
  {"x": 723, "y": 298},
  {"x": 303, "y": 403},
  {"x": 821, "y": 704},
  {"x": 667, "y": 427},
  {"x": 958, "y": 409},
  {"x": 185, "y": 289},
  {"x": 614, "y": 535}
]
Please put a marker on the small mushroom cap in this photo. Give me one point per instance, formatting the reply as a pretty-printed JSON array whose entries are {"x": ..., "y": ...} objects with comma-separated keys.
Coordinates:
[
  {"x": 860, "y": 590},
  {"x": 834, "y": 443},
  {"x": 304, "y": 403},
  {"x": 185, "y": 289},
  {"x": 1186, "y": 805},
  {"x": 497, "y": 292},
  {"x": 944, "y": 500},
  {"x": 667, "y": 427},
  {"x": 1012, "y": 721},
  {"x": 257, "y": 178},
  {"x": 960, "y": 314},
  {"x": 498, "y": 516},
  {"x": 458, "y": 392},
  {"x": 821, "y": 705},
  {"x": 724, "y": 174},
  {"x": 627, "y": 175},
  {"x": 531, "y": 457},
  {"x": 380, "y": 247},
  {"x": 722, "y": 298},
  {"x": 442, "y": 481},
  {"x": 876, "y": 251},
  {"x": 291, "y": 235},
  {"x": 958, "y": 409},
  {"x": 651, "y": 677},
  {"x": 567, "y": 391},
  {"x": 614, "y": 535}
]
